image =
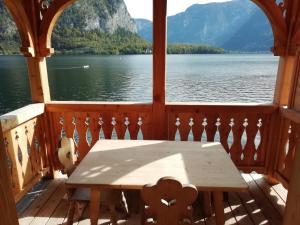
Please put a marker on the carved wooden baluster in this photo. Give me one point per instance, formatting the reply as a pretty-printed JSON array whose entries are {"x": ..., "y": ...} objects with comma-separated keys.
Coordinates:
[
  {"x": 62, "y": 131},
  {"x": 9, "y": 162},
  {"x": 19, "y": 154},
  {"x": 287, "y": 145},
  {"x": 140, "y": 132},
  {"x": 101, "y": 132},
  {"x": 244, "y": 138},
  {"x": 76, "y": 137},
  {"x": 127, "y": 133},
  {"x": 293, "y": 138},
  {"x": 258, "y": 139},
  {"x": 177, "y": 133},
  {"x": 204, "y": 133},
  {"x": 88, "y": 134},
  {"x": 217, "y": 134},
  {"x": 191, "y": 134},
  {"x": 29, "y": 152},
  {"x": 114, "y": 132},
  {"x": 230, "y": 138},
  {"x": 36, "y": 148}
]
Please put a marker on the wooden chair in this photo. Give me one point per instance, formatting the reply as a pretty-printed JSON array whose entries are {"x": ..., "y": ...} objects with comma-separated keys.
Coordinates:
[
  {"x": 81, "y": 196},
  {"x": 168, "y": 202}
]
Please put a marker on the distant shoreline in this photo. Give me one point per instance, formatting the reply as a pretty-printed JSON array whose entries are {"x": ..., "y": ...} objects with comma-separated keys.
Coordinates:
[{"x": 225, "y": 53}]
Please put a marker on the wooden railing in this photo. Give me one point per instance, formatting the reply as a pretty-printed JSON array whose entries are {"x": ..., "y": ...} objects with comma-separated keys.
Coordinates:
[
  {"x": 24, "y": 142},
  {"x": 289, "y": 136},
  {"x": 243, "y": 130},
  {"x": 88, "y": 122}
]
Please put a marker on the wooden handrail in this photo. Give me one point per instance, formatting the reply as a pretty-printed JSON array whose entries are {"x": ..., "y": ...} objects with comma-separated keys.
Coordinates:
[
  {"x": 217, "y": 107},
  {"x": 83, "y": 106},
  {"x": 19, "y": 116}
]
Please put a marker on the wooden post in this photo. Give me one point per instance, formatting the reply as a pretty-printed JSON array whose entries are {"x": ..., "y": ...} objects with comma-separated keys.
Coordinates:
[
  {"x": 8, "y": 212},
  {"x": 282, "y": 97},
  {"x": 159, "y": 69},
  {"x": 284, "y": 82},
  {"x": 292, "y": 209},
  {"x": 38, "y": 79}
]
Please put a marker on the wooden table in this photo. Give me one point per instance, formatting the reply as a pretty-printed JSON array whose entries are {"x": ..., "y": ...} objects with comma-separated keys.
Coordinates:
[{"x": 129, "y": 164}]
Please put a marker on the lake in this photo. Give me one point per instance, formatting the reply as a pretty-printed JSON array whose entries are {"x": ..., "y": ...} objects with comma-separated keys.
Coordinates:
[{"x": 190, "y": 78}]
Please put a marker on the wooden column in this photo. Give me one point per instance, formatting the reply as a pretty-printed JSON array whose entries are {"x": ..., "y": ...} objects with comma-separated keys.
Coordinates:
[
  {"x": 292, "y": 209},
  {"x": 285, "y": 78},
  {"x": 8, "y": 212},
  {"x": 159, "y": 69},
  {"x": 38, "y": 79}
]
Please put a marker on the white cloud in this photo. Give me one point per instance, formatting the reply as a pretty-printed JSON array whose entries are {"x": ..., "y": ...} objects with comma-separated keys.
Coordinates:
[{"x": 143, "y": 8}]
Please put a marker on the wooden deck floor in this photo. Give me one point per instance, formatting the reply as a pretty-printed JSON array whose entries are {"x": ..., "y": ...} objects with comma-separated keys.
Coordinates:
[{"x": 262, "y": 204}]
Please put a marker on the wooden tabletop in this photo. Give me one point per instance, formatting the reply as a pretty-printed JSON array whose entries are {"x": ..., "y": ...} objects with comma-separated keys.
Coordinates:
[{"x": 130, "y": 164}]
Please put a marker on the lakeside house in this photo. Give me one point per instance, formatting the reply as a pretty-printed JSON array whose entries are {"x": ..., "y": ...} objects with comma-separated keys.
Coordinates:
[{"x": 30, "y": 137}]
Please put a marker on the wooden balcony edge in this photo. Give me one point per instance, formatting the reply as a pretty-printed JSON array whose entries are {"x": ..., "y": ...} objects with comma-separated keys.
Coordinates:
[
  {"x": 85, "y": 106},
  {"x": 17, "y": 117},
  {"x": 290, "y": 114},
  {"x": 218, "y": 107}
]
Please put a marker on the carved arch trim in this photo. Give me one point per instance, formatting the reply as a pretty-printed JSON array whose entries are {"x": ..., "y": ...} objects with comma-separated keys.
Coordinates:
[
  {"x": 21, "y": 20},
  {"x": 276, "y": 15},
  {"x": 48, "y": 22}
]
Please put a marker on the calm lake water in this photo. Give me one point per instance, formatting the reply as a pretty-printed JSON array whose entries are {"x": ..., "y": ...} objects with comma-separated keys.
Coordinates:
[{"x": 201, "y": 78}]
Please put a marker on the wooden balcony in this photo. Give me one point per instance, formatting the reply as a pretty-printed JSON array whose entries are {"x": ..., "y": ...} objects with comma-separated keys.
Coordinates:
[
  {"x": 259, "y": 138},
  {"x": 245, "y": 131},
  {"x": 263, "y": 204}
]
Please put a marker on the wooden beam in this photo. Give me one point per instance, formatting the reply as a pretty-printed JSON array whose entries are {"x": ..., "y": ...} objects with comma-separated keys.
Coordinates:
[
  {"x": 8, "y": 212},
  {"x": 275, "y": 15},
  {"x": 292, "y": 209},
  {"x": 159, "y": 69},
  {"x": 284, "y": 81},
  {"x": 38, "y": 79}
]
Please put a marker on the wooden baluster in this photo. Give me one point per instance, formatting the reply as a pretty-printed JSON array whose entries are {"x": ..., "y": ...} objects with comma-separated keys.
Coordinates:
[{"x": 8, "y": 212}]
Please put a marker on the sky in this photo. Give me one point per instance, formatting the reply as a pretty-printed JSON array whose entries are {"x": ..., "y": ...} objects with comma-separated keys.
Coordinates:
[{"x": 143, "y": 8}]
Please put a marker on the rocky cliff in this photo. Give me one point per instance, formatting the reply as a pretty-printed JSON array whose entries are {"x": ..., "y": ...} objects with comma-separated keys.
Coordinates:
[
  {"x": 85, "y": 19},
  {"x": 104, "y": 15}
]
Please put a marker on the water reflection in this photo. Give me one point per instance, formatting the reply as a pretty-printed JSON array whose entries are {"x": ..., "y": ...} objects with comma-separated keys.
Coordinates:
[{"x": 203, "y": 78}]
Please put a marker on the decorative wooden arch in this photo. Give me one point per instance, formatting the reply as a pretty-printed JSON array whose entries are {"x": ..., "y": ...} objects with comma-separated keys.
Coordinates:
[
  {"x": 21, "y": 19},
  {"x": 36, "y": 32}
]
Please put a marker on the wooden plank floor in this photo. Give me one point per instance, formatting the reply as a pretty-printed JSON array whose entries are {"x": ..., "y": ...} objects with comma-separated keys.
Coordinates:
[{"x": 262, "y": 204}]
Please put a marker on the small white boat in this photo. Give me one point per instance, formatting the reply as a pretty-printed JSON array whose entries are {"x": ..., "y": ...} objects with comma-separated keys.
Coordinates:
[{"x": 86, "y": 66}]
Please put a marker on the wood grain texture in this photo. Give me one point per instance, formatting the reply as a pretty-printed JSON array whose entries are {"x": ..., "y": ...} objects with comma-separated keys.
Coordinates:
[
  {"x": 159, "y": 131},
  {"x": 38, "y": 79},
  {"x": 292, "y": 211},
  {"x": 219, "y": 207},
  {"x": 168, "y": 202},
  {"x": 8, "y": 213},
  {"x": 130, "y": 164},
  {"x": 17, "y": 117},
  {"x": 94, "y": 206}
]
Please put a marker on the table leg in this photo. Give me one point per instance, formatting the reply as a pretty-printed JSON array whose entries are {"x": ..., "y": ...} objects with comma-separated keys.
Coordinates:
[
  {"x": 219, "y": 207},
  {"x": 207, "y": 203},
  {"x": 94, "y": 206},
  {"x": 71, "y": 209}
]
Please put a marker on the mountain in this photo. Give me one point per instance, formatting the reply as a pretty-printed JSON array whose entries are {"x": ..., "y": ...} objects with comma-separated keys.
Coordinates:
[
  {"x": 88, "y": 27},
  {"x": 144, "y": 28},
  {"x": 237, "y": 25},
  {"x": 8, "y": 32},
  {"x": 103, "y": 15}
]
